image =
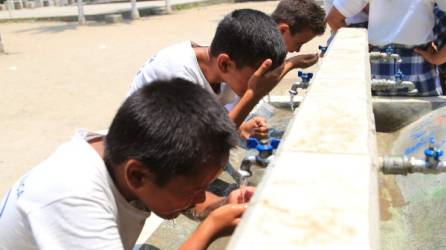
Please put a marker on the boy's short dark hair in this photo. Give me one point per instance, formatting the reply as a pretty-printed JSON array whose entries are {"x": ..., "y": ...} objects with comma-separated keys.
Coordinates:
[
  {"x": 249, "y": 37},
  {"x": 300, "y": 15},
  {"x": 173, "y": 128}
]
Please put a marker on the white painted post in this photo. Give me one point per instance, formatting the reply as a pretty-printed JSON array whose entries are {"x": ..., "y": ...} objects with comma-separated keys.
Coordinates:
[
  {"x": 38, "y": 3},
  {"x": 80, "y": 7},
  {"x": 2, "y": 49},
  {"x": 134, "y": 12},
  {"x": 10, "y": 7},
  {"x": 168, "y": 7}
]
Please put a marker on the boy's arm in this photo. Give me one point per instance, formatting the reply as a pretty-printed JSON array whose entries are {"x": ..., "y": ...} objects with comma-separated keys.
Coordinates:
[
  {"x": 260, "y": 84},
  {"x": 299, "y": 61},
  {"x": 341, "y": 10},
  {"x": 335, "y": 19},
  {"x": 432, "y": 55},
  {"x": 220, "y": 222}
]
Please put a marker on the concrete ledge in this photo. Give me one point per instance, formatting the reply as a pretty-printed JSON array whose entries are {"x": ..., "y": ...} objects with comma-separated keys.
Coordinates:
[{"x": 321, "y": 191}]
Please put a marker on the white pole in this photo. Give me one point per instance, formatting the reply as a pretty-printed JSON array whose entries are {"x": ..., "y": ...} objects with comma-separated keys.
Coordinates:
[
  {"x": 80, "y": 8},
  {"x": 10, "y": 7},
  {"x": 2, "y": 49},
  {"x": 134, "y": 13},
  {"x": 168, "y": 7}
]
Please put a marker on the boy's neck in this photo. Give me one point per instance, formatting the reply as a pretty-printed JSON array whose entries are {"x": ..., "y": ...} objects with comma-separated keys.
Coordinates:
[
  {"x": 98, "y": 144},
  {"x": 208, "y": 66}
]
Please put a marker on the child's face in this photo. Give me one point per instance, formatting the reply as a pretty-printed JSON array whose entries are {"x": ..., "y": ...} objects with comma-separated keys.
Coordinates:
[
  {"x": 238, "y": 79},
  {"x": 180, "y": 193},
  {"x": 294, "y": 42}
]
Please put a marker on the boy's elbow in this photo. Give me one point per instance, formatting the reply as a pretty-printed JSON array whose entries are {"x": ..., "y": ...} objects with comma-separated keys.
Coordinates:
[{"x": 335, "y": 20}]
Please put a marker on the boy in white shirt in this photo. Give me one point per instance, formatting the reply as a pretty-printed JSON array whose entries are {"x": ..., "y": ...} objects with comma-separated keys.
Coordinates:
[
  {"x": 403, "y": 26},
  {"x": 242, "y": 64},
  {"x": 96, "y": 191},
  {"x": 299, "y": 21}
]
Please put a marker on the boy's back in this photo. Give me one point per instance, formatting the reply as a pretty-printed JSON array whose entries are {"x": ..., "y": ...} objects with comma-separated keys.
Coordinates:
[
  {"x": 71, "y": 190},
  {"x": 178, "y": 60}
]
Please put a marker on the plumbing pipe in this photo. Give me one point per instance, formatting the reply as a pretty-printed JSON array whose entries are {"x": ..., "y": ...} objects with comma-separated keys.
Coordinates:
[
  {"x": 403, "y": 165},
  {"x": 387, "y": 84}
]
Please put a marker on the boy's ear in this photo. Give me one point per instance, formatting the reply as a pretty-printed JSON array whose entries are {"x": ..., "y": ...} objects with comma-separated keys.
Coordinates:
[
  {"x": 136, "y": 175},
  {"x": 225, "y": 63},
  {"x": 283, "y": 28}
]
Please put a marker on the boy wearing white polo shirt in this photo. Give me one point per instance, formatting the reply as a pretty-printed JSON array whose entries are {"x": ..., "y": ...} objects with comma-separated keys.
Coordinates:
[
  {"x": 96, "y": 190},
  {"x": 402, "y": 25},
  {"x": 243, "y": 64}
]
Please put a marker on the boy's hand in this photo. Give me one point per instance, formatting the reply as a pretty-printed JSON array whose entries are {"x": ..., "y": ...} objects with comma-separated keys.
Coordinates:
[
  {"x": 303, "y": 61},
  {"x": 262, "y": 81},
  {"x": 241, "y": 196},
  {"x": 220, "y": 222},
  {"x": 430, "y": 54},
  {"x": 255, "y": 127},
  {"x": 224, "y": 219}
]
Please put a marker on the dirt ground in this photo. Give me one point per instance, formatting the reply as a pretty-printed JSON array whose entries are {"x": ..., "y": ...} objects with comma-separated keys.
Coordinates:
[{"x": 57, "y": 77}]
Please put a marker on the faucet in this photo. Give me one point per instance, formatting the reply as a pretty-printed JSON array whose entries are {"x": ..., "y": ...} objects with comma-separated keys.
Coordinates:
[
  {"x": 264, "y": 155},
  {"x": 403, "y": 165},
  {"x": 323, "y": 49},
  {"x": 303, "y": 84},
  {"x": 396, "y": 82}
]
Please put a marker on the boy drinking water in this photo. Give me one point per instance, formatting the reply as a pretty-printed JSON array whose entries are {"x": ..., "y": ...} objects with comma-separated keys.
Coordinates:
[{"x": 167, "y": 142}]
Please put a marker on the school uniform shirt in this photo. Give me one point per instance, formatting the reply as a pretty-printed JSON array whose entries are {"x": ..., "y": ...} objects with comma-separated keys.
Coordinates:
[
  {"x": 179, "y": 60},
  {"x": 361, "y": 17},
  {"x": 440, "y": 33},
  {"x": 69, "y": 201},
  {"x": 401, "y": 25},
  {"x": 407, "y": 22}
]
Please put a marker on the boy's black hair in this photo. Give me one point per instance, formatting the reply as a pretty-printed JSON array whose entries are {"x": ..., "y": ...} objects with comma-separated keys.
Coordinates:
[
  {"x": 249, "y": 37},
  {"x": 173, "y": 128},
  {"x": 300, "y": 15}
]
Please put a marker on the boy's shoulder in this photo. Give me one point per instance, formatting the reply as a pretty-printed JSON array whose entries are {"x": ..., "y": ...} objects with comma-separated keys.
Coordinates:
[
  {"x": 174, "y": 52},
  {"x": 73, "y": 170}
]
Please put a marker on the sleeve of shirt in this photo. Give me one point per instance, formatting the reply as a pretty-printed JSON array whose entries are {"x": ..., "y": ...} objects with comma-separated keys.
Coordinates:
[
  {"x": 349, "y": 8},
  {"x": 442, "y": 4},
  {"x": 75, "y": 223}
]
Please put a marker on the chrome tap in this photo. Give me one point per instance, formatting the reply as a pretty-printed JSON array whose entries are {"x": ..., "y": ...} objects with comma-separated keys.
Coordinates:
[
  {"x": 264, "y": 155},
  {"x": 397, "y": 81},
  {"x": 303, "y": 84},
  {"x": 404, "y": 165}
]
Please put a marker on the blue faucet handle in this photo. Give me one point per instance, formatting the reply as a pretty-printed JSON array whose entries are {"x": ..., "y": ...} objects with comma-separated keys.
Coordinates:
[
  {"x": 438, "y": 153},
  {"x": 435, "y": 153},
  {"x": 251, "y": 142},
  {"x": 323, "y": 49},
  {"x": 275, "y": 143},
  {"x": 389, "y": 50},
  {"x": 306, "y": 77},
  {"x": 429, "y": 152},
  {"x": 399, "y": 75}
]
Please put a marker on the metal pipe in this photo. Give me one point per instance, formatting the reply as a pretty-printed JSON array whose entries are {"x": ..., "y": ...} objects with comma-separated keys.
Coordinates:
[
  {"x": 403, "y": 165},
  {"x": 387, "y": 84}
]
